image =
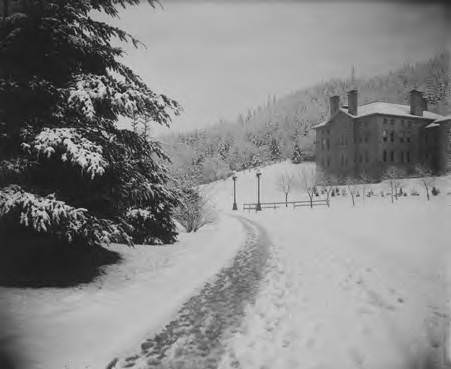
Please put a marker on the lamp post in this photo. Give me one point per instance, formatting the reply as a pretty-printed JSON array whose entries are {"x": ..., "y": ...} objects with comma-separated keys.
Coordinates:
[
  {"x": 234, "y": 192},
  {"x": 259, "y": 206}
]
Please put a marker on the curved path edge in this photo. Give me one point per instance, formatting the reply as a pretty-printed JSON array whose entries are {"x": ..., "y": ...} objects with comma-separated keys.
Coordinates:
[{"x": 195, "y": 337}]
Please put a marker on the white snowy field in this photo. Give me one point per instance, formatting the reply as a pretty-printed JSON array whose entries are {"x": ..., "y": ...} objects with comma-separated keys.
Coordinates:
[
  {"x": 88, "y": 326},
  {"x": 348, "y": 287}
]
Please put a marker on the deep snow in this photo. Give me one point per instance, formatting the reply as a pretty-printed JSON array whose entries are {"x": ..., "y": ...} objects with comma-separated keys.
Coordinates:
[{"x": 86, "y": 327}]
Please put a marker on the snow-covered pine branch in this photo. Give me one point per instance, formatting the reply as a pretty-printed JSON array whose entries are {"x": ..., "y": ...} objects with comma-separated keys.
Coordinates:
[
  {"x": 72, "y": 147},
  {"x": 124, "y": 98},
  {"x": 48, "y": 215}
]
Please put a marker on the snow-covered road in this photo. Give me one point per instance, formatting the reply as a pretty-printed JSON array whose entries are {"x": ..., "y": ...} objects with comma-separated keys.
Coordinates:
[{"x": 194, "y": 338}]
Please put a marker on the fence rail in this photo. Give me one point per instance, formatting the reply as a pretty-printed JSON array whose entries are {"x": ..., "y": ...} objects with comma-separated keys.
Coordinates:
[{"x": 295, "y": 204}]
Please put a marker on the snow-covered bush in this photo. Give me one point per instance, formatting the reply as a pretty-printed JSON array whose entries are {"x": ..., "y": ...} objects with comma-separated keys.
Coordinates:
[{"x": 149, "y": 227}]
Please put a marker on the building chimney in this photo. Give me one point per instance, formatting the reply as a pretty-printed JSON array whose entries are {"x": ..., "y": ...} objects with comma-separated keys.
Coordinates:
[
  {"x": 334, "y": 104},
  {"x": 417, "y": 103},
  {"x": 352, "y": 102}
]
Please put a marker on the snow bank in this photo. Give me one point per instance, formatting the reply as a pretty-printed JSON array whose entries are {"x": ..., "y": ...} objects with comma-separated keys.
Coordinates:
[{"x": 88, "y": 326}]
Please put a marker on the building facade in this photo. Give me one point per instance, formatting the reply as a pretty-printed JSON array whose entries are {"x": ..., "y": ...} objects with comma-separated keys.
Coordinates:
[{"x": 367, "y": 139}]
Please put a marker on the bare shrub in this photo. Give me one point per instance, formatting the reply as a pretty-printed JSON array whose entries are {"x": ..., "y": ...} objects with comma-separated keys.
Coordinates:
[
  {"x": 353, "y": 190},
  {"x": 394, "y": 175},
  {"x": 195, "y": 211},
  {"x": 427, "y": 179},
  {"x": 306, "y": 181},
  {"x": 327, "y": 183},
  {"x": 284, "y": 183}
]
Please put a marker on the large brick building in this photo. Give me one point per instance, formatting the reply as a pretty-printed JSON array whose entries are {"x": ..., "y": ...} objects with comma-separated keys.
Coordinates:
[{"x": 369, "y": 138}]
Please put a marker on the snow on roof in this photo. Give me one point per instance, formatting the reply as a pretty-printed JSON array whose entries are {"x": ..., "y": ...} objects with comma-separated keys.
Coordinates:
[
  {"x": 443, "y": 119},
  {"x": 432, "y": 125},
  {"x": 322, "y": 124},
  {"x": 390, "y": 109}
]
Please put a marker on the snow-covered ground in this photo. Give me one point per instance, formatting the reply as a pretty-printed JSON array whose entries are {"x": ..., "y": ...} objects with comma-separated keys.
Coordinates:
[
  {"x": 348, "y": 287},
  {"x": 86, "y": 327},
  {"x": 343, "y": 287}
]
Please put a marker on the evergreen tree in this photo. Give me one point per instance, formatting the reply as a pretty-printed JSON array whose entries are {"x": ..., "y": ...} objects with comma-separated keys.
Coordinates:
[
  {"x": 297, "y": 156},
  {"x": 274, "y": 150},
  {"x": 67, "y": 172}
]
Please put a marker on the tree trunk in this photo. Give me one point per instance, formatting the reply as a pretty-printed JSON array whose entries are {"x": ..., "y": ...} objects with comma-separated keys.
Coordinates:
[
  {"x": 5, "y": 8},
  {"x": 427, "y": 190},
  {"x": 391, "y": 192}
]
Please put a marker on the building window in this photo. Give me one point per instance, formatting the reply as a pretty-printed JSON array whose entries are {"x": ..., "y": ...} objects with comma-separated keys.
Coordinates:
[
  {"x": 408, "y": 138},
  {"x": 327, "y": 144},
  {"x": 367, "y": 157},
  {"x": 384, "y": 135},
  {"x": 401, "y": 137},
  {"x": 392, "y": 136},
  {"x": 392, "y": 121},
  {"x": 385, "y": 156},
  {"x": 360, "y": 158},
  {"x": 392, "y": 156},
  {"x": 409, "y": 124},
  {"x": 401, "y": 156},
  {"x": 385, "y": 120},
  {"x": 408, "y": 156}
]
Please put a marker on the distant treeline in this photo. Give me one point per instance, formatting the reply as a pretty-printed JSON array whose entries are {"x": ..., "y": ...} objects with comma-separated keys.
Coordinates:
[{"x": 281, "y": 128}]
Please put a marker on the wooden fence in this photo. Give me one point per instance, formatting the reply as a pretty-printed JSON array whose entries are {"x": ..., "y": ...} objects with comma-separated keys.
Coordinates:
[{"x": 295, "y": 204}]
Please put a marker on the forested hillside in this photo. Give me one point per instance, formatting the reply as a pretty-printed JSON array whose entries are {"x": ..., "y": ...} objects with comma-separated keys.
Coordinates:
[{"x": 281, "y": 128}]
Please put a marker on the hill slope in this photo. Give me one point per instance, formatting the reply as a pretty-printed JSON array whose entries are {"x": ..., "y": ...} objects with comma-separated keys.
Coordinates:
[{"x": 270, "y": 132}]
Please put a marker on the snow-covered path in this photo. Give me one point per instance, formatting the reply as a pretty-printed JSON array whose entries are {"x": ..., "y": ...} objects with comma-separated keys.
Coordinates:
[
  {"x": 194, "y": 338},
  {"x": 84, "y": 327}
]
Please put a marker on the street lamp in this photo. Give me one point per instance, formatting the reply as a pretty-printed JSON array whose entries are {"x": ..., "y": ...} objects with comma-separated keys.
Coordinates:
[
  {"x": 234, "y": 177},
  {"x": 259, "y": 206}
]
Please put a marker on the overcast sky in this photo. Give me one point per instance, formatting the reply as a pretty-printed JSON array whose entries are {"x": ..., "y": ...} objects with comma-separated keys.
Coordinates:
[{"x": 219, "y": 58}]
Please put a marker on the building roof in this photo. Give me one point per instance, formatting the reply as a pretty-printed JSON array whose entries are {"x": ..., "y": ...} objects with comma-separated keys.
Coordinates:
[
  {"x": 391, "y": 109},
  {"x": 387, "y": 109},
  {"x": 443, "y": 119},
  {"x": 436, "y": 123}
]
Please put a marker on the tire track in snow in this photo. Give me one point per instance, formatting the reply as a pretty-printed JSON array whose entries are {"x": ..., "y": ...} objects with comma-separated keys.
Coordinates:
[{"x": 194, "y": 339}]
